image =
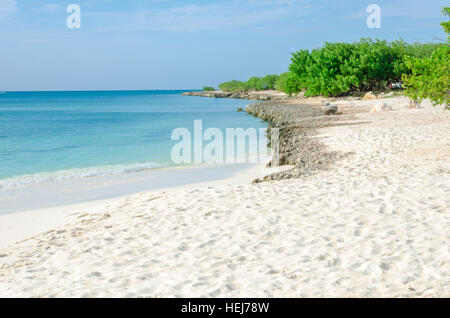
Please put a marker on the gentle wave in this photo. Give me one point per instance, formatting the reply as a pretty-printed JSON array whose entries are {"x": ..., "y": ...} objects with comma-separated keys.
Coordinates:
[{"x": 24, "y": 180}]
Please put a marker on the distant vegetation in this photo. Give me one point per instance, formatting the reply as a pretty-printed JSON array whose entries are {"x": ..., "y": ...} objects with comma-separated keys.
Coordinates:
[
  {"x": 208, "y": 88},
  {"x": 254, "y": 83},
  {"x": 338, "y": 69}
]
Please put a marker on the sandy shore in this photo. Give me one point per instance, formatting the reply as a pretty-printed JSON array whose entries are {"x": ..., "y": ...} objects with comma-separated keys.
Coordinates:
[
  {"x": 63, "y": 192},
  {"x": 376, "y": 225},
  {"x": 19, "y": 226}
]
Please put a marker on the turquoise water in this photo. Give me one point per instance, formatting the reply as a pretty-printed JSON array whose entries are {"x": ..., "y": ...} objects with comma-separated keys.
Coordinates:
[{"x": 80, "y": 134}]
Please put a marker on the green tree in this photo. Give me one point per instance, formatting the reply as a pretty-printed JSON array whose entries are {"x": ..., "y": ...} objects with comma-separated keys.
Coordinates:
[
  {"x": 208, "y": 88},
  {"x": 339, "y": 68},
  {"x": 233, "y": 86},
  {"x": 254, "y": 83},
  {"x": 446, "y": 24},
  {"x": 430, "y": 76},
  {"x": 288, "y": 83},
  {"x": 281, "y": 82},
  {"x": 268, "y": 81}
]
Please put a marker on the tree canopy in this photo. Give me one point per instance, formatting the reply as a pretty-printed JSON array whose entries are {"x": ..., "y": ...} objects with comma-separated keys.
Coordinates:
[
  {"x": 254, "y": 83},
  {"x": 430, "y": 75},
  {"x": 340, "y": 68}
]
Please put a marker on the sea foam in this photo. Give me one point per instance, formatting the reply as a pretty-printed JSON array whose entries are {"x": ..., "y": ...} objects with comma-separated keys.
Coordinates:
[{"x": 25, "y": 180}]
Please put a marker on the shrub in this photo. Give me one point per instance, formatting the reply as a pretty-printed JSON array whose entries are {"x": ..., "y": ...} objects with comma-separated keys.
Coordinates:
[
  {"x": 287, "y": 83},
  {"x": 233, "y": 86},
  {"x": 339, "y": 68},
  {"x": 254, "y": 83},
  {"x": 430, "y": 75}
]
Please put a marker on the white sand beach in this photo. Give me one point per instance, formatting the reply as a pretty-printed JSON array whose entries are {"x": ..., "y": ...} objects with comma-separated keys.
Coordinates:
[{"x": 376, "y": 225}]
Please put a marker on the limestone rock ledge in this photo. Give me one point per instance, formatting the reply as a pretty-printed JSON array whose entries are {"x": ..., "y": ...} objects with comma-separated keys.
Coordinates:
[{"x": 251, "y": 95}]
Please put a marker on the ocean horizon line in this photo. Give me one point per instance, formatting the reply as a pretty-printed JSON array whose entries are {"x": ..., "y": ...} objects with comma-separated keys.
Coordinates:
[{"x": 98, "y": 90}]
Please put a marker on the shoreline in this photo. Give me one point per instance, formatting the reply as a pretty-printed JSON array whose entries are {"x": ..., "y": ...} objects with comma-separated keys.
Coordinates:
[
  {"x": 19, "y": 220},
  {"x": 62, "y": 192},
  {"x": 298, "y": 124},
  {"x": 16, "y": 227},
  {"x": 298, "y": 120},
  {"x": 371, "y": 221},
  {"x": 250, "y": 95}
]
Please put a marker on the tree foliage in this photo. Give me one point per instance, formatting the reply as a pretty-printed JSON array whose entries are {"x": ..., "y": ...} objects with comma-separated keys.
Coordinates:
[
  {"x": 446, "y": 24},
  {"x": 208, "y": 88},
  {"x": 254, "y": 83},
  {"x": 430, "y": 75},
  {"x": 232, "y": 86},
  {"x": 287, "y": 83},
  {"x": 339, "y": 68}
]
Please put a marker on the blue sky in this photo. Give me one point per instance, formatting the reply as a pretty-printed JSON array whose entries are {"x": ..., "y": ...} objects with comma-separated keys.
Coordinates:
[{"x": 182, "y": 44}]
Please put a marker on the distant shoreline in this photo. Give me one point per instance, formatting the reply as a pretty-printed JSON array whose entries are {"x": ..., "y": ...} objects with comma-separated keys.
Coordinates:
[{"x": 249, "y": 95}]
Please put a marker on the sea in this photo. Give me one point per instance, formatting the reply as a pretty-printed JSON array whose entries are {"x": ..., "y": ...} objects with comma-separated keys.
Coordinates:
[{"x": 47, "y": 136}]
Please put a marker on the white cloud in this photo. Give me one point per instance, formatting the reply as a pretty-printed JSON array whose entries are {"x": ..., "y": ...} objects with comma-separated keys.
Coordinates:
[{"x": 7, "y": 8}]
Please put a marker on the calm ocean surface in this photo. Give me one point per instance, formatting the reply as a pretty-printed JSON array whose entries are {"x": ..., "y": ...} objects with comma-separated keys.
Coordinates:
[{"x": 58, "y": 135}]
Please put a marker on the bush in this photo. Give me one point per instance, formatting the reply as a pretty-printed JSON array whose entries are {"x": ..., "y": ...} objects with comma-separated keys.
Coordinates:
[
  {"x": 268, "y": 82},
  {"x": 254, "y": 83},
  {"x": 233, "y": 86},
  {"x": 446, "y": 24},
  {"x": 208, "y": 88},
  {"x": 430, "y": 75},
  {"x": 281, "y": 83},
  {"x": 287, "y": 83},
  {"x": 340, "y": 68}
]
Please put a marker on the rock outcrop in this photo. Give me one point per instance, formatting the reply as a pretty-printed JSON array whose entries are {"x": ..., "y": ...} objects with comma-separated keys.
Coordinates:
[
  {"x": 250, "y": 95},
  {"x": 369, "y": 96},
  {"x": 297, "y": 126},
  {"x": 381, "y": 107}
]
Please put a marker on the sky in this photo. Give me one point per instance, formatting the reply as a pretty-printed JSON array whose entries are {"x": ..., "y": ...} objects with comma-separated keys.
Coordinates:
[{"x": 183, "y": 44}]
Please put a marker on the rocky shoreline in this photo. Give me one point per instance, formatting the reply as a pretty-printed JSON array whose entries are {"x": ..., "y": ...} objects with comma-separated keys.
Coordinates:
[
  {"x": 250, "y": 95},
  {"x": 298, "y": 120},
  {"x": 298, "y": 145}
]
